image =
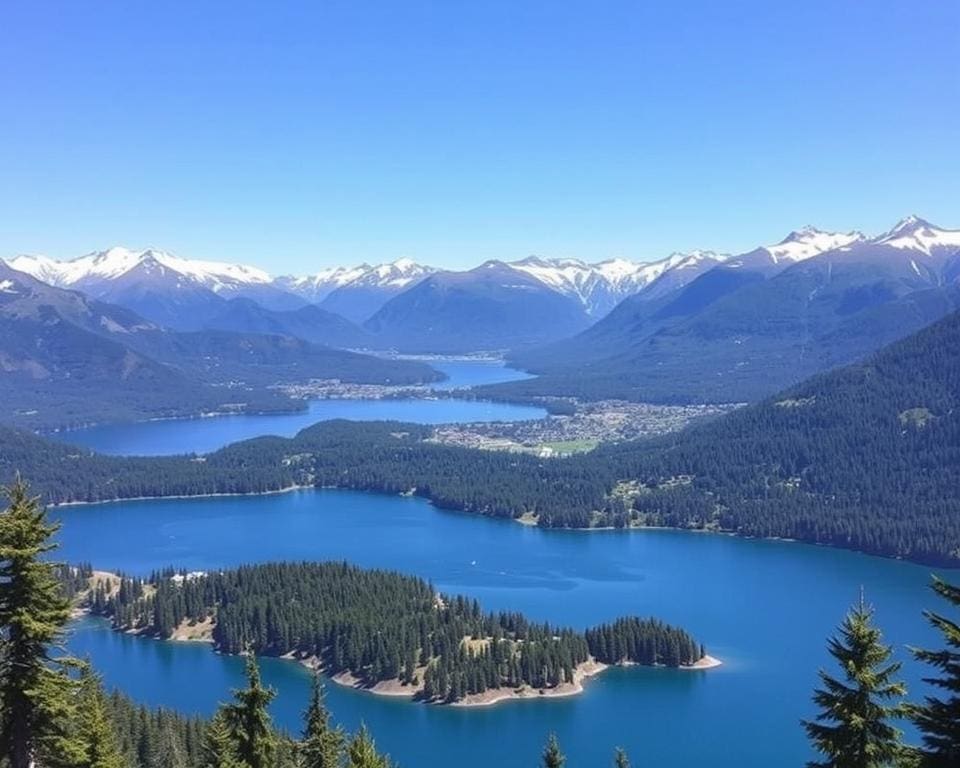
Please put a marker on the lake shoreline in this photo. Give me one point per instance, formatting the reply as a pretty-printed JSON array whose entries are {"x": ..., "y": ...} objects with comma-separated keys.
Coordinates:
[
  {"x": 581, "y": 674},
  {"x": 525, "y": 520},
  {"x": 185, "y": 496},
  {"x": 203, "y": 633}
]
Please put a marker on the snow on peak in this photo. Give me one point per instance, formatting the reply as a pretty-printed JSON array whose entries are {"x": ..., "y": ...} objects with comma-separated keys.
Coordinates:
[
  {"x": 916, "y": 234},
  {"x": 116, "y": 261},
  {"x": 394, "y": 275},
  {"x": 40, "y": 267},
  {"x": 910, "y": 224},
  {"x": 808, "y": 242},
  {"x": 601, "y": 285},
  {"x": 406, "y": 264}
]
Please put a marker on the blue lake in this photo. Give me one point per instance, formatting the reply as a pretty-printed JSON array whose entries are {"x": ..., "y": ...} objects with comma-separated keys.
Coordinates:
[
  {"x": 474, "y": 372},
  {"x": 203, "y": 435},
  {"x": 765, "y": 608}
]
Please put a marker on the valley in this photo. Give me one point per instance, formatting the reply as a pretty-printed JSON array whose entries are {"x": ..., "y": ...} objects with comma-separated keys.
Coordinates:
[
  {"x": 480, "y": 385},
  {"x": 589, "y": 425},
  {"x": 319, "y": 401},
  {"x": 375, "y": 473}
]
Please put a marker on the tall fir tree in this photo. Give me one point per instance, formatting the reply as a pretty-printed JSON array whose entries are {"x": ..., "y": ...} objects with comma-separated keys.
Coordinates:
[
  {"x": 94, "y": 724},
  {"x": 251, "y": 729},
  {"x": 938, "y": 718},
  {"x": 219, "y": 749},
  {"x": 322, "y": 745},
  {"x": 620, "y": 759},
  {"x": 37, "y": 691},
  {"x": 362, "y": 752},
  {"x": 853, "y": 729},
  {"x": 552, "y": 756}
]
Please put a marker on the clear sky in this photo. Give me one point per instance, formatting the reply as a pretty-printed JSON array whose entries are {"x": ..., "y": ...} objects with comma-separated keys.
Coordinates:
[{"x": 293, "y": 136}]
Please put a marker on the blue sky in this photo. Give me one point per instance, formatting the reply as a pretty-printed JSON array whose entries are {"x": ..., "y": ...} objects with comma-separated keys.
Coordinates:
[{"x": 293, "y": 136}]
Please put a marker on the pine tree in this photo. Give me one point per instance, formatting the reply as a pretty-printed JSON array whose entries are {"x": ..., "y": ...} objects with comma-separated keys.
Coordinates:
[
  {"x": 620, "y": 759},
  {"x": 251, "y": 729},
  {"x": 362, "y": 752},
  {"x": 94, "y": 725},
  {"x": 219, "y": 749},
  {"x": 37, "y": 691},
  {"x": 939, "y": 718},
  {"x": 322, "y": 745},
  {"x": 552, "y": 756},
  {"x": 853, "y": 729}
]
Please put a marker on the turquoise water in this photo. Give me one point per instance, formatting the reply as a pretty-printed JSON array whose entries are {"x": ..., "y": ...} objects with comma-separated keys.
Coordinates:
[
  {"x": 763, "y": 607},
  {"x": 203, "y": 435}
]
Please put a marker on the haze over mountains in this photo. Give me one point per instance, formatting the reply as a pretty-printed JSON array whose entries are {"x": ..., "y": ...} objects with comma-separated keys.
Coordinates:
[
  {"x": 691, "y": 327},
  {"x": 66, "y": 359},
  {"x": 356, "y": 293},
  {"x": 760, "y": 321}
]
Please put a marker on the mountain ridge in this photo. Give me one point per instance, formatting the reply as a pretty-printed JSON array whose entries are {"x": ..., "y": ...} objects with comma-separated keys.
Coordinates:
[
  {"x": 751, "y": 326},
  {"x": 68, "y": 359}
]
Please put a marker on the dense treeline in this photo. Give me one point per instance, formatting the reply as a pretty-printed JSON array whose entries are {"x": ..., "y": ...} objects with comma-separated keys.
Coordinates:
[
  {"x": 864, "y": 457},
  {"x": 378, "y": 626},
  {"x": 54, "y": 712},
  {"x": 154, "y": 738}
]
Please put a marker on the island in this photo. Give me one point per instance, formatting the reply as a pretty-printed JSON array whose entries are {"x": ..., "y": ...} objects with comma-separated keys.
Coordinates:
[{"x": 381, "y": 631}]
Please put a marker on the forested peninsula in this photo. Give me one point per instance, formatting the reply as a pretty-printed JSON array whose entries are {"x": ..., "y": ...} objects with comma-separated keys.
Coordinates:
[{"x": 378, "y": 630}]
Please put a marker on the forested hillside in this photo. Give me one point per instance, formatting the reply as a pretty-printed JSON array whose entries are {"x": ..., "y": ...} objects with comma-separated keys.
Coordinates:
[
  {"x": 380, "y": 626},
  {"x": 750, "y": 327},
  {"x": 864, "y": 457},
  {"x": 66, "y": 360}
]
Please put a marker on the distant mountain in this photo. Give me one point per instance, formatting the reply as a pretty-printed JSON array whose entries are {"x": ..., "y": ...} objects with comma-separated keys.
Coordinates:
[
  {"x": 490, "y": 307},
  {"x": 600, "y": 287},
  {"x": 760, "y": 321},
  {"x": 362, "y": 297},
  {"x": 93, "y": 271},
  {"x": 315, "y": 288},
  {"x": 615, "y": 314},
  {"x": 67, "y": 359},
  {"x": 310, "y": 323},
  {"x": 682, "y": 286},
  {"x": 175, "y": 292},
  {"x": 356, "y": 292},
  {"x": 187, "y": 294},
  {"x": 798, "y": 246}
]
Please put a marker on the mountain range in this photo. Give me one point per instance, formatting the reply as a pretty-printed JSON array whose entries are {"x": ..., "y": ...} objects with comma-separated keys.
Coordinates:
[
  {"x": 862, "y": 457},
  {"x": 185, "y": 293},
  {"x": 758, "y": 322},
  {"x": 66, "y": 359},
  {"x": 698, "y": 326}
]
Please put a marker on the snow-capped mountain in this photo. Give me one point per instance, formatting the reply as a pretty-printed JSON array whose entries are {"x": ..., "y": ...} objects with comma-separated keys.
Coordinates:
[
  {"x": 185, "y": 293},
  {"x": 168, "y": 289},
  {"x": 915, "y": 234},
  {"x": 759, "y": 321},
  {"x": 799, "y": 245},
  {"x": 315, "y": 288},
  {"x": 92, "y": 268},
  {"x": 361, "y": 297},
  {"x": 489, "y": 307},
  {"x": 601, "y": 286},
  {"x": 808, "y": 242}
]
